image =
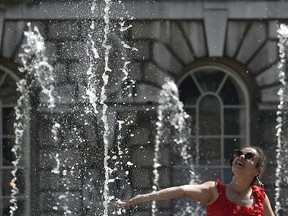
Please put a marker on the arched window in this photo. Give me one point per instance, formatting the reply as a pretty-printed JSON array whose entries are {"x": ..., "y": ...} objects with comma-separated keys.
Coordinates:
[
  {"x": 8, "y": 100},
  {"x": 217, "y": 100}
]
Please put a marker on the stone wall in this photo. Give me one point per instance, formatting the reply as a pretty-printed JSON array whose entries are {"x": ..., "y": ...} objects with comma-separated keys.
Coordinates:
[{"x": 166, "y": 48}]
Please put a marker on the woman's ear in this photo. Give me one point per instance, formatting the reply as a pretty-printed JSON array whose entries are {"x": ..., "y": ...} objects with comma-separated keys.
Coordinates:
[
  {"x": 231, "y": 161},
  {"x": 259, "y": 171}
]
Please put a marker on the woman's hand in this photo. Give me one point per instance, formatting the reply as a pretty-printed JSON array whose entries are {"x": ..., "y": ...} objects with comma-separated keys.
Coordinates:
[
  {"x": 134, "y": 200},
  {"x": 123, "y": 202}
]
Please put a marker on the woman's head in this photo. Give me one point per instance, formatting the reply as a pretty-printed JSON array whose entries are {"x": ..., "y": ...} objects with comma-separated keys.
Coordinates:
[{"x": 250, "y": 160}]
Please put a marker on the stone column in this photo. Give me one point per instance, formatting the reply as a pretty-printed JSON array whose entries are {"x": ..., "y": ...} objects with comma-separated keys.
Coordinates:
[{"x": 1, "y": 27}]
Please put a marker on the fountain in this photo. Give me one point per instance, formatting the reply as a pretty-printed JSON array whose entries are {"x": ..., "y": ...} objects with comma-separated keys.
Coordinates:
[
  {"x": 99, "y": 188},
  {"x": 175, "y": 123},
  {"x": 282, "y": 142},
  {"x": 39, "y": 74}
]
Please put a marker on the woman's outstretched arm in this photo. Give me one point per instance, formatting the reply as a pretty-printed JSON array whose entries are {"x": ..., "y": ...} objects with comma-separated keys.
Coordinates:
[
  {"x": 267, "y": 208},
  {"x": 205, "y": 193}
]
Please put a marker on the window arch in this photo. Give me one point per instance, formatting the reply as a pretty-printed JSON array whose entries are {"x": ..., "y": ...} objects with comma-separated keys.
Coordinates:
[
  {"x": 8, "y": 100},
  {"x": 217, "y": 99}
]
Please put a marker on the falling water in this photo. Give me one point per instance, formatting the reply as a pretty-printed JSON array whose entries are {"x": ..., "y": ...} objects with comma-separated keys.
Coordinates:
[
  {"x": 55, "y": 129},
  {"x": 156, "y": 164},
  {"x": 36, "y": 66},
  {"x": 97, "y": 97},
  {"x": 120, "y": 169},
  {"x": 173, "y": 120},
  {"x": 282, "y": 142},
  {"x": 20, "y": 127},
  {"x": 103, "y": 98},
  {"x": 38, "y": 73},
  {"x": 41, "y": 74},
  {"x": 91, "y": 74},
  {"x": 94, "y": 97},
  {"x": 92, "y": 92}
]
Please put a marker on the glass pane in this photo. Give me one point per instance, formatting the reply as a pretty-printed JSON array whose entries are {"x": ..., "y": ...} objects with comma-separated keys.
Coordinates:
[
  {"x": 192, "y": 113},
  {"x": 209, "y": 79},
  {"x": 188, "y": 91},
  {"x": 231, "y": 94},
  {"x": 210, "y": 151},
  {"x": 209, "y": 116},
  {"x": 7, "y": 178},
  {"x": 231, "y": 144},
  {"x": 232, "y": 121},
  {"x": 8, "y": 156},
  {"x": 227, "y": 175},
  {"x": 8, "y": 91},
  {"x": 181, "y": 172},
  {"x": 8, "y": 116},
  {"x": 208, "y": 174}
]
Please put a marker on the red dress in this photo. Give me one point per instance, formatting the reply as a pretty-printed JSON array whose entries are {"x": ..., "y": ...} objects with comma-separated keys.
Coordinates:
[{"x": 224, "y": 207}]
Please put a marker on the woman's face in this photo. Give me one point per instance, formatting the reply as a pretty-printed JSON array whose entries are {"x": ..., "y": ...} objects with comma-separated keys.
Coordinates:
[{"x": 245, "y": 162}]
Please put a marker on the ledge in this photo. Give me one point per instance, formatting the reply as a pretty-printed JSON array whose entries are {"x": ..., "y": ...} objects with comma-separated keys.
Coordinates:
[{"x": 56, "y": 10}]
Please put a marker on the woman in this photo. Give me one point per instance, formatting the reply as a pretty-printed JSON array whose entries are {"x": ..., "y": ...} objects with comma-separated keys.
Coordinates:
[{"x": 244, "y": 196}]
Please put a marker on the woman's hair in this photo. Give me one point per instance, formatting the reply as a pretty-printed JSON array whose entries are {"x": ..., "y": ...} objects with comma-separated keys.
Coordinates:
[{"x": 261, "y": 163}]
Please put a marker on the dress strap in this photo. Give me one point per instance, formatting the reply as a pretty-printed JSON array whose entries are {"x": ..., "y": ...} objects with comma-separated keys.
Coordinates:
[{"x": 220, "y": 186}]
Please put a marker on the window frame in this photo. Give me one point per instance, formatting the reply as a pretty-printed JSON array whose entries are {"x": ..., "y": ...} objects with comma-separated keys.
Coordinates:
[{"x": 238, "y": 79}]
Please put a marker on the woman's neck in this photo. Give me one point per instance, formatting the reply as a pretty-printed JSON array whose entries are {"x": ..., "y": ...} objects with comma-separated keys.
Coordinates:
[{"x": 240, "y": 184}]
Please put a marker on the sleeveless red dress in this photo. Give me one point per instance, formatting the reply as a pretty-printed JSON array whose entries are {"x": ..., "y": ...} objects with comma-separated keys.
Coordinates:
[{"x": 224, "y": 207}]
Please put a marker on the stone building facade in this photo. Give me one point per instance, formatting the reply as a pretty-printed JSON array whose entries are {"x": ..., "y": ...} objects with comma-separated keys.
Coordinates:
[{"x": 222, "y": 55}]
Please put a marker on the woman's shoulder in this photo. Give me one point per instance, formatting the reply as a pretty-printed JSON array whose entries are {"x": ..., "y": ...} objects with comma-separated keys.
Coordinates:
[
  {"x": 213, "y": 187},
  {"x": 258, "y": 192},
  {"x": 213, "y": 184}
]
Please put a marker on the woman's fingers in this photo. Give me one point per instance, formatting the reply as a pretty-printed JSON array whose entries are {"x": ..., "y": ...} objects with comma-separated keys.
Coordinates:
[{"x": 122, "y": 202}]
